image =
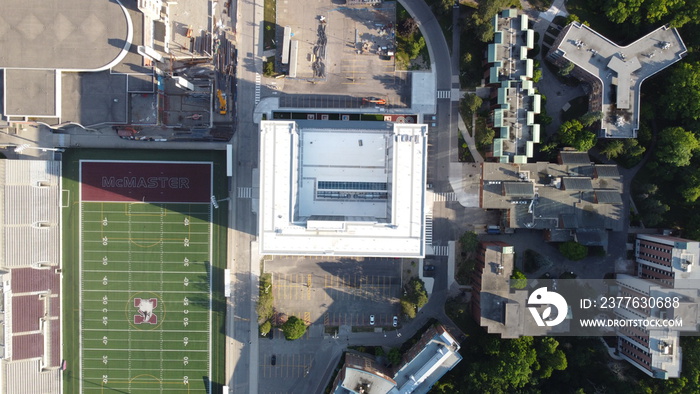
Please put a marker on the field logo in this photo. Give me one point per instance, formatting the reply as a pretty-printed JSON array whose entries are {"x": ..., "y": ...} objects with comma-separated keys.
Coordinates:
[
  {"x": 145, "y": 310},
  {"x": 543, "y": 297}
]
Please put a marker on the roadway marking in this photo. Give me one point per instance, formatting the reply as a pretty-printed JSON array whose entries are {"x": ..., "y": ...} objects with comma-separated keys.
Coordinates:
[
  {"x": 440, "y": 250},
  {"x": 245, "y": 192},
  {"x": 257, "y": 87},
  {"x": 444, "y": 94},
  {"x": 444, "y": 196}
]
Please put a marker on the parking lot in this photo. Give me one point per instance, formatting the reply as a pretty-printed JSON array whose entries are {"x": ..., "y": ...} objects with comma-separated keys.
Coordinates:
[
  {"x": 286, "y": 365},
  {"x": 336, "y": 292},
  {"x": 358, "y": 40}
]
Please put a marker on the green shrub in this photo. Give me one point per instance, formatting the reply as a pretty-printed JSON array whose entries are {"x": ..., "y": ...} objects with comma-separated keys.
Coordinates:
[
  {"x": 573, "y": 251},
  {"x": 265, "y": 328},
  {"x": 518, "y": 279}
]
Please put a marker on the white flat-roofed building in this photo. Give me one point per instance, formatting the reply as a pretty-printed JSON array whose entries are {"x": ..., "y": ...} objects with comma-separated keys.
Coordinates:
[{"x": 328, "y": 188}]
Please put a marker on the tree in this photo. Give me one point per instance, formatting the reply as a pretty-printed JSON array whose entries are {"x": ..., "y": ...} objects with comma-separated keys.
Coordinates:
[
  {"x": 537, "y": 75},
  {"x": 484, "y": 15},
  {"x": 653, "y": 211},
  {"x": 573, "y": 251},
  {"x": 269, "y": 68},
  {"x": 265, "y": 328},
  {"x": 518, "y": 280},
  {"x": 591, "y": 117},
  {"x": 408, "y": 308},
  {"x": 613, "y": 148},
  {"x": 691, "y": 189},
  {"x": 619, "y": 11},
  {"x": 573, "y": 134},
  {"x": 566, "y": 69},
  {"x": 293, "y": 328},
  {"x": 265, "y": 306},
  {"x": 484, "y": 138},
  {"x": 470, "y": 104},
  {"x": 682, "y": 96},
  {"x": 676, "y": 146},
  {"x": 632, "y": 148},
  {"x": 469, "y": 242},
  {"x": 506, "y": 365},
  {"x": 549, "y": 357},
  {"x": 408, "y": 27},
  {"x": 394, "y": 356}
]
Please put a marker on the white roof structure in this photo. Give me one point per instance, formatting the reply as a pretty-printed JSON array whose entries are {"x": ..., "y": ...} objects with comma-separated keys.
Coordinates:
[
  {"x": 353, "y": 191},
  {"x": 618, "y": 69}
]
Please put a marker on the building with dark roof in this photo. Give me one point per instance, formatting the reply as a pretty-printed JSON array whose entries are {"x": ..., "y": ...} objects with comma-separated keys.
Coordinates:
[{"x": 561, "y": 199}]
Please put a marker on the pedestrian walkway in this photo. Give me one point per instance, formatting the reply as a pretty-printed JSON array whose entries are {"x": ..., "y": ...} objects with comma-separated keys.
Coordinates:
[
  {"x": 245, "y": 192},
  {"x": 469, "y": 139},
  {"x": 257, "y": 87},
  {"x": 428, "y": 228},
  {"x": 444, "y": 94},
  {"x": 444, "y": 196},
  {"x": 557, "y": 8},
  {"x": 440, "y": 250}
]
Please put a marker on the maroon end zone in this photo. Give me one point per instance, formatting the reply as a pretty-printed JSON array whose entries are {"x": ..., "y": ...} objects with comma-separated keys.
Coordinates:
[{"x": 145, "y": 181}]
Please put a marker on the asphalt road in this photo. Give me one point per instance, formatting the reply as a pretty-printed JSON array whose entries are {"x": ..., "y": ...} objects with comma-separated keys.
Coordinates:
[
  {"x": 242, "y": 326},
  {"x": 242, "y": 354}
]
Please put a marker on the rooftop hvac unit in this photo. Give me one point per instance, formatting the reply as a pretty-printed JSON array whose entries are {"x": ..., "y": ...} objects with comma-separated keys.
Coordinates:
[{"x": 686, "y": 265}]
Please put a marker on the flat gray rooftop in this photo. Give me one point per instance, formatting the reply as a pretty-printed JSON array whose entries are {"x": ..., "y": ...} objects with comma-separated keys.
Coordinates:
[
  {"x": 61, "y": 34},
  {"x": 622, "y": 67},
  {"x": 34, "y": 92}
]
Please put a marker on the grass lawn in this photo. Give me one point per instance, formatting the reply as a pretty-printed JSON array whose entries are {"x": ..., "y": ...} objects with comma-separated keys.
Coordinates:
[{"x": 270, "y": 24}]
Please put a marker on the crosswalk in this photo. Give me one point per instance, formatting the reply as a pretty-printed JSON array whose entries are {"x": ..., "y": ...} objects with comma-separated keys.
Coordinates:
[
  {"x": 257, "y": 87},
  {"x": 444, "y": 196},
  {"x": 442, "y": 94},
  {"x": 428, "y": 228},
  {"x": 440, "y": 250},
  {"x": 245, "y": 192}
]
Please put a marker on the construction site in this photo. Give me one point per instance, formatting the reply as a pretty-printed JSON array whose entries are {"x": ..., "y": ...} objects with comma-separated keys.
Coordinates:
[{"x": 151, "y": 70}]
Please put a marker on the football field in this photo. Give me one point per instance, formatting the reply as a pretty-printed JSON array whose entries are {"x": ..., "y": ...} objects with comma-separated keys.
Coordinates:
[
  {"x": 145, "y": 296},
  {"x": 145, "y": 278}
]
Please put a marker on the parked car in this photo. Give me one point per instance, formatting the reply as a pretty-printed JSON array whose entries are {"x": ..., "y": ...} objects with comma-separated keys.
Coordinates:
[
  {"x": 272, "y": 334},
  {"x": 396, "y": 321},
  {"x": 371, "y": 320},
  {"x": 429, "y": 267},
  {"x": 273, "y": 360}
]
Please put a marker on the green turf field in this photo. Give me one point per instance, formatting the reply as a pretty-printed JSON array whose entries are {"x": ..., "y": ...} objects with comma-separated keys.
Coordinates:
[{"x": 145, "y": 297}]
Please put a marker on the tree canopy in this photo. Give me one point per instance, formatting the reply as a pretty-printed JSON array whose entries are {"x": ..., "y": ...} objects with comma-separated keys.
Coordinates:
[
  {"x": 573, "y": 134},
  {"x": 682, "y": 97},
  {"x": 674, "y": 12},
  {"x": 573, "y": 251},
  {"x": 518, "y": 280},
  {"x": 509, "y": 365},
  {"x": 676, "y": 146},
  {"x": 293, "y": 328}
]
